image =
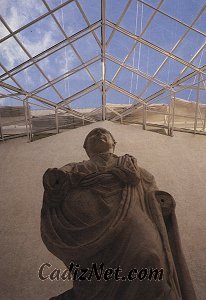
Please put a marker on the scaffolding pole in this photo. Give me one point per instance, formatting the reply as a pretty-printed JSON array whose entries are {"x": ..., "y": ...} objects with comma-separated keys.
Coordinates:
[{"x": 103, "y": 52}]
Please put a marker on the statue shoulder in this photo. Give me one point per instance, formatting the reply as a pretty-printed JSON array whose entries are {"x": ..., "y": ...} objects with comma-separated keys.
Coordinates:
[
  {"x": 146, "y": 175},
  {"x": 76, "y": 167}
]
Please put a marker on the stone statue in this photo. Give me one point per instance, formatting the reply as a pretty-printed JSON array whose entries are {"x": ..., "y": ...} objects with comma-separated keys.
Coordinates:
[{"x": 108, "y": 212}]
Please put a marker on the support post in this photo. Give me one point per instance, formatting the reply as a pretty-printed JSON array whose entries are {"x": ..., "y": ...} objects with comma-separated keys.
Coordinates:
[
  {"x": 29, "y": 120},
  {"x": 57, "y": 120},
  {"x": 103, "y": 59},
  {"x": 1, "y": 129},
  {"x": 144, "y": 116},
  {"x": 169, "y": 119},
  {"x": 173, "y": 101},
  {"x": 26, "y": 119},
  {"x": 197, "y": 103},
  {"x": 204, "y": 124}
]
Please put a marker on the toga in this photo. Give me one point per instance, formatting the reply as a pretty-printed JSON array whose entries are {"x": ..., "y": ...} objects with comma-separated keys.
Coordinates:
[{"x": 109, "y": 210}]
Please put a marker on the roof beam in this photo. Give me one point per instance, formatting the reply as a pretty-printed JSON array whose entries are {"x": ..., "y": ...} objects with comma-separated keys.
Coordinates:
[
  {"x": 103, "y": 59},
  {"x": 72, "y": 46},
  {"x": 30, "y": 56},
  {"x": 79, "y": 94},
  {"x": 66, "y": 74},
  {"x": 136, "y": 42},
  {"x": 119, "y": 21},
  {"x": 154, "y": 47},
  {"x": 87, "y": 21},
  {"x": 178, "y": 43},
  {"x": 45, "y": 101},
  {"x": 138, "y": 72},
  {"x": 124, "y": 92},
  {"x": 129, "y": 110},
  {"x": 23, "y": 92},
  {"x": 67, "y": 41},
  {"x": 35, "y": 20},
  {"x": 173, "y": 18}
]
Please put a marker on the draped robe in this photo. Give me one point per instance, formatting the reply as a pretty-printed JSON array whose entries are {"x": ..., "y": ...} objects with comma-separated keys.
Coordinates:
[{"x": 109, "y": 210}]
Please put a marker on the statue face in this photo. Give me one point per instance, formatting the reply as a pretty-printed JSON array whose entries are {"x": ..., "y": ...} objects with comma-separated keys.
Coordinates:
[{"x": 99, "y": 140}]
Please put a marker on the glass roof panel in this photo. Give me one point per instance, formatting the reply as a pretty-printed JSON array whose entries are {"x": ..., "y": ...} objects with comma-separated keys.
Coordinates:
[
  {"x": 11, "y": 102},
  {"x": 98, "y": 33},
  {"x": 40, "y": 36},
  {"x": 114, "y": 11},
  {"x": 120, "y": 45},
  {"x": 55, "y": 3},
  {"x": 200, "y": 24},
  {"x": 183, "y": 10},
  {"x": 170, "y": 71},
  {"x": 200, "y": 60},
  {"x": 164, "y": 98},
  {"x": 3, "y": 90},
  {"x": 96, "y": 70},
  {"x": 87, "y": 47},
  {"x": 50, "y": 94},
  {"x": 187, "y": 94},
  {"x": 45, "y": 33},
  {"x": 3, "y": 31},
  {"x": 35, "y": 104},
  {"x": 154, "y": 3},
  {"x": 90, "y": 100},
  {"x": 74, "y": 84},
  {"x": 11, "y": 54},
  {"x": 130, "y": 81},
  {"x": 11, "y": 82},
  {"x": 70, "y": 19},
  {"x": 111, "y": 69},
  {"x": 190, "y": 45},
  {"x": 1, "y": 71},
  {"x": 124, "y": 80},
  {"x": 115, "y": 97},
  {"x": 164, "y": 32},
  {"x": 145, "y": 59},
  {"x": 136, "y": 17},
  {"x": 30, "y": 78},
  {"x": 151, "y": 89},
  {"x": 18, "y": 12},
  {"x": 108, "y": 30},
  {"x": 92, "y": 9},
  {"x": 59, "y": 62},
  {"x": 184, "y": 72}
]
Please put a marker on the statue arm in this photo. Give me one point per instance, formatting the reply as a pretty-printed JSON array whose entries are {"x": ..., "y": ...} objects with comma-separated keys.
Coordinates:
[{"x": 58, "y": 182}]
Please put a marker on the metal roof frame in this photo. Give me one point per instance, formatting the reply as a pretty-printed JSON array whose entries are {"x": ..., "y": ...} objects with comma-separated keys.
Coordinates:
[{"x": 103, "y": 42}]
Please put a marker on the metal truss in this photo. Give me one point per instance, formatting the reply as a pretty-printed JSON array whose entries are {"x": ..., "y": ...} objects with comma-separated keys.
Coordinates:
[{"x": 104, "y": 85}]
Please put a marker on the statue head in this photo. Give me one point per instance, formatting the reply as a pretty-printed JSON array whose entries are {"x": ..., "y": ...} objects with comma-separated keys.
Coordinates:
[{"x": 99, "y": 140}]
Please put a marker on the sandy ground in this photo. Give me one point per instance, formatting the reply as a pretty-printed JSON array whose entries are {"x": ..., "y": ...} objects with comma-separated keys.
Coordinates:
[{"x": 178, "y": 163}]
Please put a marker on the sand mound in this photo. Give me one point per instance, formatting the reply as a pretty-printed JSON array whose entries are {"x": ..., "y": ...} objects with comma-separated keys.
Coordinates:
[{"x": 178, "y": 164}]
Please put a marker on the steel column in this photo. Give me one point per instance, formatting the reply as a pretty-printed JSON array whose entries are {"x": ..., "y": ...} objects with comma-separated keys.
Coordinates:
[
  {"x": 57, "y": 120},
  {"x": 103, "y": 52},
  {"x": 144, "y": 116},
  {"x": 173, "y": 101},
  {"x": 197, "y": 104}
]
